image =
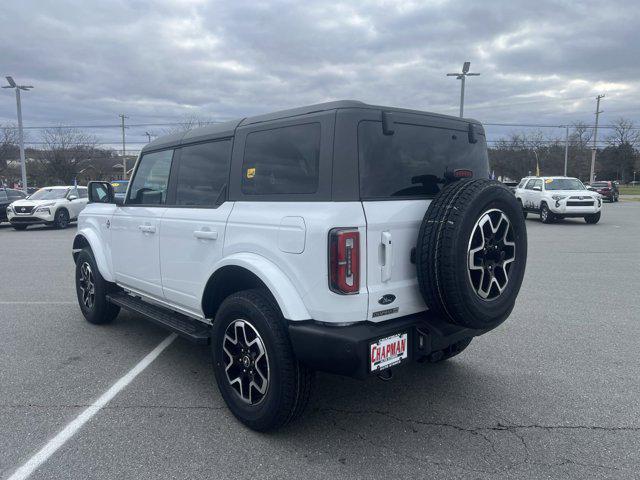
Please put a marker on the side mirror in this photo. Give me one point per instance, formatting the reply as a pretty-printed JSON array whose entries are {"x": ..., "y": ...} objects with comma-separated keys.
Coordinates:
[
  {"x": 537, "y": 189},
  {"x": 101, "y": 192},
  {"x": 71, "y": 198}
]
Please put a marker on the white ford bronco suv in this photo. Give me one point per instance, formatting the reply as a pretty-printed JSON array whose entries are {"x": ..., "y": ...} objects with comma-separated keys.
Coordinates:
[
  {"x": 341, "y": 237},
  {"x": 555, "y": 198}
]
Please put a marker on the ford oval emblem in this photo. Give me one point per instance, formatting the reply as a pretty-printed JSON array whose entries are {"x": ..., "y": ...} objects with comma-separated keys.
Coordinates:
[{"x": 387, "y": 299}]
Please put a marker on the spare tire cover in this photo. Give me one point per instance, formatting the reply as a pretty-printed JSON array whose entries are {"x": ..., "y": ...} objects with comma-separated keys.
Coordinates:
[{"x": 471, "y": 253}]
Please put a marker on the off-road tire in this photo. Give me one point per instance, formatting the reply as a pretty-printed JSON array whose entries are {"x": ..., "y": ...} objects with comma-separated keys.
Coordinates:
[
  {"x": 443, "y": 248},
  {"x": 100, "y": 311},
  {"x": 290, "y": 383},
  {"x": 449, "y": 352},
  {"x": 19, "y": 227},
  {"x": 593, "y": 218},
  {"x": 546, "y": 215},
  {"x": 61, "y": 220}
]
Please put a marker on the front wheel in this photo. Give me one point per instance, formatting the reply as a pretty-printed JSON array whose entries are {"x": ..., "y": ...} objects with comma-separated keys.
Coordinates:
[
  {"x": 545, "y": 214},
  {"x": 92, "y": 290},
  {"x": 261, "y": 381},
  {"x": 61, "y": 220},
  {"x": 593, "y": 218}
]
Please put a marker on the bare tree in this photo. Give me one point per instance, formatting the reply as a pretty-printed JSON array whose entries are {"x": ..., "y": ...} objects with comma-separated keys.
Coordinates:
[
  {"x": 8, "y": 145},
  {"x": 624, "y": 131},
  {"x": 66, "y": 152}
]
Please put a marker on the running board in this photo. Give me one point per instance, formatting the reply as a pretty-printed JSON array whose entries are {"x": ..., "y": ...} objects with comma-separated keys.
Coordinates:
[{"x": 187, "y": 327}]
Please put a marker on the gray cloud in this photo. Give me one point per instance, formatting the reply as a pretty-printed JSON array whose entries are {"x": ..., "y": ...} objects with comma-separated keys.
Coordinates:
[{"x": 540, "y": 61}]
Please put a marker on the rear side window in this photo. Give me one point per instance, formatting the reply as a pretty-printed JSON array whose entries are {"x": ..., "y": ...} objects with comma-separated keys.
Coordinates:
[
  {"x": 203, "y": 171},
  {"x": 413, "y": 161},
  {"x": 282, "y": 160},
  {"x": 149, "y": 186}
]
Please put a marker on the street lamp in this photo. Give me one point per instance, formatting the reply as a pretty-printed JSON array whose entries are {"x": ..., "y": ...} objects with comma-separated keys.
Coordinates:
[
  {"x": 12, "y": 84},
  {"x": 462, "y": 76}
]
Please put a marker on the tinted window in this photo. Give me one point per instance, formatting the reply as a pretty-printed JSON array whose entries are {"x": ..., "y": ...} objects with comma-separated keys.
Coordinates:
[
  {"x": 412, "y": 161},
  {"x": 530, "y": 184},
  {"x": 149, "y": 185},
  {"x": 202, "y": 173},
  {"x": 282, "y": 160}
]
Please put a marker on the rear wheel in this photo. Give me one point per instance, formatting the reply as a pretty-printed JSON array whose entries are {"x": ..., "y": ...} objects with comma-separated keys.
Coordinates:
[
  {"x": 92, "y": 290},
  {"x": 449, "y": 352},
  {"x": 593, "y": 218},
  {"x": 261, "y": 381}
]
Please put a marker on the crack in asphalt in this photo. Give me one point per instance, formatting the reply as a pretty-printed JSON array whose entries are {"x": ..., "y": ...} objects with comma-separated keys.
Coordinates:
[{"x": 479, "y": 431}]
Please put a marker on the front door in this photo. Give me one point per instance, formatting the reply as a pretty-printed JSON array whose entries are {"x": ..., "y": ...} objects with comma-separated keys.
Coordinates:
[
  {"x": 135, "y": 226},
  {"x": 193, "y": 227}
]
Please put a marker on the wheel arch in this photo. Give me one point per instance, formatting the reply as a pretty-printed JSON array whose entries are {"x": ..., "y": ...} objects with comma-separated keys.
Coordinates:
[
  {"x": 87, "y": 238},
  {"x": 245, "y": 271}
]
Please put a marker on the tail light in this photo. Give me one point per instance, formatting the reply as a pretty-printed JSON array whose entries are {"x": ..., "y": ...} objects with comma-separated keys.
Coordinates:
[{"x": 344, "y": 260}]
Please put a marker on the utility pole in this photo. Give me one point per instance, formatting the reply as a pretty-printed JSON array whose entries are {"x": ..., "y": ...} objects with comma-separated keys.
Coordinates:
[
  {"x": 595, "y": 138},
  {"x": 23, "y": 165},
  {"x": 462, "y": 77},
  {"x": 566, "y": 149},
  {"x": 124, "y": 151}
]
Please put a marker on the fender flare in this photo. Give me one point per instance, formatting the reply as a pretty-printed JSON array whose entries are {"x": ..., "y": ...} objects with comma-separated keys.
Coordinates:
[
  {"x": 282, "y": 289},
  {"x": 98, "y": 253}
]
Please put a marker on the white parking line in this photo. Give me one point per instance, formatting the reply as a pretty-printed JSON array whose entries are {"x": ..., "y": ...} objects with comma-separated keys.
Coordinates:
[
  {"x": 35, "y": 303},
  {"x": 70, "y": 430}
]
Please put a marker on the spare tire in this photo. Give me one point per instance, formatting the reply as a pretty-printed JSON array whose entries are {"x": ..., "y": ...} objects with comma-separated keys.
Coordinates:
[{"x": 471, "y": 253}]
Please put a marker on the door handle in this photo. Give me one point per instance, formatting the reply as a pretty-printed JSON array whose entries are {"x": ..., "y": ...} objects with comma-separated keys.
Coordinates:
[
  {"x": 147, "y": 228},
  {"x": 206, "y": 234},
  {"x": 387, "y": 256}
]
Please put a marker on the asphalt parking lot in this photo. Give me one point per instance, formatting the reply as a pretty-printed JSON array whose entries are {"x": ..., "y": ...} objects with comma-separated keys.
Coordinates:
[{"x": 552, "y": 393}]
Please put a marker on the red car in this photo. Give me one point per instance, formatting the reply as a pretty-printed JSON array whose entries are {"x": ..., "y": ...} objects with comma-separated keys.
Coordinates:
[{"x": 607, "y": 189}]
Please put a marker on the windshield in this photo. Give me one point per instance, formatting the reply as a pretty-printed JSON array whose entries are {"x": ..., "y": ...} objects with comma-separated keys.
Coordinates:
[
  {"x": 412, "y": 162},
  {"x": 120, "y": 186},
  {"x": 600, "y": 184},
  {"x": 49, "y": 194},
  {"x": 563, "y": 184}
]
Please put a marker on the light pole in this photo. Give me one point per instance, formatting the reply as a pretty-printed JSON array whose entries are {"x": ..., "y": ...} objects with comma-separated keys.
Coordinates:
[
  {"x": 124, "y": 158},
  {"x": 23, "y": 166},
  {"x": 462, "y": 76},
  {"x": 592, "y": 175}
]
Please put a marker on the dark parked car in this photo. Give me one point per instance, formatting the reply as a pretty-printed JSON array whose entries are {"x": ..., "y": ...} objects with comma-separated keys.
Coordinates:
[
  {"x": 7, "y": 196},
  {"x": 607, "y": 189}
]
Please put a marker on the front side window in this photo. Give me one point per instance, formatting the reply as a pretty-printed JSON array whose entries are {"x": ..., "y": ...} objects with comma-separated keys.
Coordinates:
[
  {"x": 83, "y": 193},
  {"x": 202, "y": 173},
  {"x": 282, "y": 160},
  {"x": 149, "y": 186},
  {"x": 530, "y": 184}
]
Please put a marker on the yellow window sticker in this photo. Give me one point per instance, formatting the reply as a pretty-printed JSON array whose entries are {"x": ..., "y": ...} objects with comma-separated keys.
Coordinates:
[
  {"x": 115, "y": 184},
  {"x": 548, "y": 180},
  {"x": 251, "y": 172}
]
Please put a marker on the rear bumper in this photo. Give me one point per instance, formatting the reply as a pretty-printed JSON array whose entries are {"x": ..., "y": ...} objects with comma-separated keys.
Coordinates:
[{"x": 345, "y": 350}]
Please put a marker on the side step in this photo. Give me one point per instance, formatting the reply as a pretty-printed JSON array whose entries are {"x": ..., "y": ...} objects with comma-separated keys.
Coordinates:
[{"x": 186, "y": 327}]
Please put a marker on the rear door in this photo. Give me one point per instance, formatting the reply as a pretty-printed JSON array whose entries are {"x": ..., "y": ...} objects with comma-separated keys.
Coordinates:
[
  {"x": 193, "y": 227},
  {"x": 399, "y": 175}
]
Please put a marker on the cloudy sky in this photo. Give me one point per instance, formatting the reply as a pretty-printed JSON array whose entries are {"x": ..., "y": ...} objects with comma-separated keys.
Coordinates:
[{"x": 541, "y": 61}]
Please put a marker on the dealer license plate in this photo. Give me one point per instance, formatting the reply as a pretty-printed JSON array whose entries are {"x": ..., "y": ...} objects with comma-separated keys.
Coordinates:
[{"x": 388, "y": 351}]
